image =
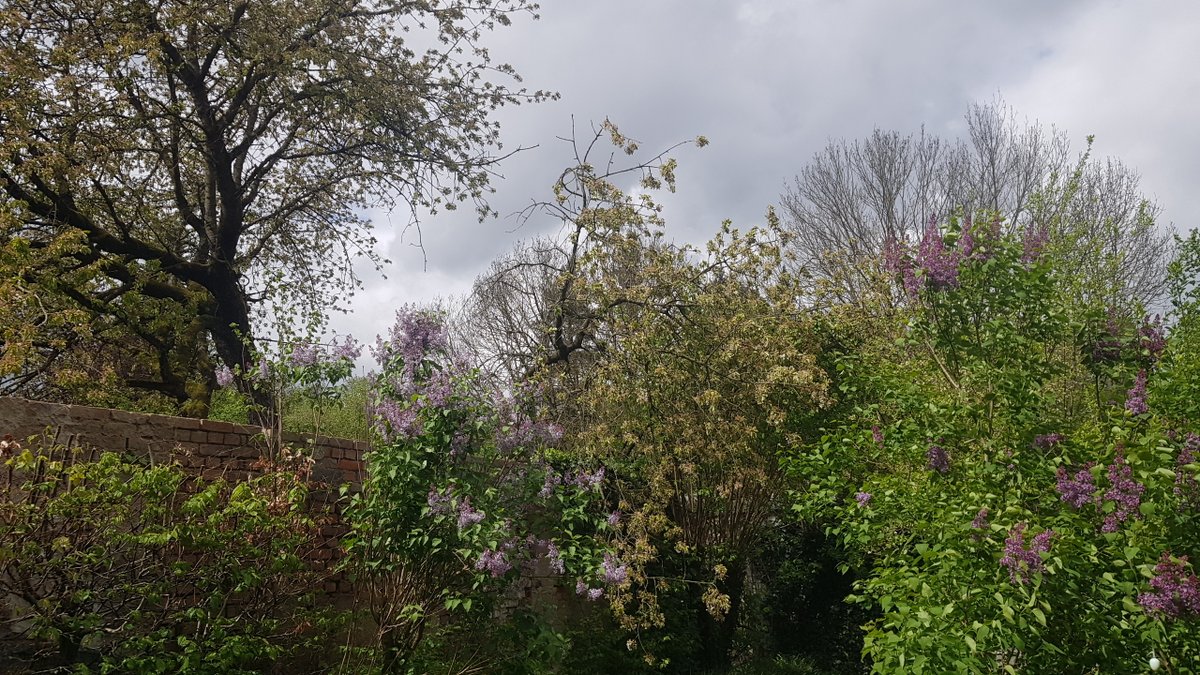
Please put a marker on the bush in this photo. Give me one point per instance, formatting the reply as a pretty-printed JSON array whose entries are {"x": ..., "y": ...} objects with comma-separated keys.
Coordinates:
[{"x": 131, "y": 567}]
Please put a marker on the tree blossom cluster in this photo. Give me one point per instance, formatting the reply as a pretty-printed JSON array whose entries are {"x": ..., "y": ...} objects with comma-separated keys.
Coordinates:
[
  {"x": 1023, "y": 562},
  {"x": 1174, "y": 591},
  {"x": 1125, "y": 492}
]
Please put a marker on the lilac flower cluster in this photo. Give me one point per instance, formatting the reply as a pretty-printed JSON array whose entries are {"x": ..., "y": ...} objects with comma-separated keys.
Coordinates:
[
  {"x": 586, "y": 480},
  {"x": 863, "y": 498},
  {"x": 877, "y": 435},
  {"x": 1187, "y": 489},
  {"x": 1047, "y": 441},
  {"x": 555, "y": 558},
  {"x": 614, "y": 571},
  {"x": 494, "y": 562},
  {"x": 1023, "y": 563},
  {"x": 593, "y": 594},
  {"x": 939, "y": 263},
  {"x": 1034, "y": 243},
  {"x": 896, "y": 261},
  {"x": 1151, "y": 337},
  {"x": 1174, "y": 591},
  {"x": 614, "y": 519},
  {"x": 439, "y": 500},
  {"x": 1079, "y": 489},
  {"x": 1125, "y": 492},
  {"x": 981, "y": 520},
  {"x": 350, "y": 349},
  {"x": 1135, "y": 398},
  {"x": 224, "y": 376},
  {"x": 526, "y": 433},
  {"x": 553, "y": 480},
  {"x": 468, "y": 516},
  {"x": 304, "y": 354},
  {"x": 938, "y": 458},
  {"x": 1108, "y": 345},
  {"x": 413, "y": 378}
]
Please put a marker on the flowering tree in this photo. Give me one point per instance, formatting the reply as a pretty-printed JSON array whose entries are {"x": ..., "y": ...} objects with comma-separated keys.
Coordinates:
[
  {"x": 1004, "y": 479},
  {"x": 465, "y": 495}
]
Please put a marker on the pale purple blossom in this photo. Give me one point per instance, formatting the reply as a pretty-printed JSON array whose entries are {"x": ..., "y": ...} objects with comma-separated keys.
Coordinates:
[
  {"x": 863, "y": 498},
  {"x": 1023, "y": 563},
  {"x": 468, "y": 516},
  {"x": 877, "y": 435},
  {"x": 494, "y": 562},
  {"x": 552, "y": 481},
  {"x": 555, "y": 558},
  {"x": 1151, "y": 337},
  {"x": 614, "y": 571},
  {"x": 595, "y": 594},
  {"x": 614, "y": 518},
  {"x": 304, "y": 354},
  {"x": 439, "y": 500},
  {"x": 581, "y": 588},
  {"x": 588, "y": 481},
  {"x": 350, "y": 349},
  {"x": 224, "y": 376},
  {"x": 1174, "y": 591},
  {"x": 1135, "y": 399}
]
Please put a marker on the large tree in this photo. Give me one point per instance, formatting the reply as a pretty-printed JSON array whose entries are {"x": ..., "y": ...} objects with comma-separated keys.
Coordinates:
[
  {"x": 854, "y": 196},
  {"x": 173, "y": 171}
]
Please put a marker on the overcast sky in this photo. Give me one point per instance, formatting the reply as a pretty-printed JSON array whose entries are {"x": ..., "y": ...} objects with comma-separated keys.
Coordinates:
[{"x": 770, "y": 82}]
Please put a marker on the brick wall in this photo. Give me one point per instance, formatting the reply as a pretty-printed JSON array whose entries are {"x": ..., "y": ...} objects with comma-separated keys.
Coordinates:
[
  {"x": 208, "y": 448},
  {"x": 205, "y": 448}
]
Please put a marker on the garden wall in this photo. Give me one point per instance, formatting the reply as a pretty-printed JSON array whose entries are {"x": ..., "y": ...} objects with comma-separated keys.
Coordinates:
[{"x": 206, "y": 448}]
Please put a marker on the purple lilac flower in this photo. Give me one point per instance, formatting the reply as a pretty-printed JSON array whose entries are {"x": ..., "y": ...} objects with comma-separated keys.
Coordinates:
[
  {"x": 939, "y": 263},
  {"x": 614, "y": 571},
  {"x": 939, "y": 459},
  {"x": 981, "y": 519},
  {"x": 468, "y": 516},
  {"x": 580, "y": 588},
  {"x": 1187, "y": 489},
  {"x": 1023, "y": 563},
  {"x": 1151, "y": 337},
  {"x": 595, "y": 594},
  {"x": 1135, "y": 401},
  {"x": 1125, "y": 492},
  {"x": 393, "y": 419},
  {"x": 588, "y": 481},
  {"x": 1108, "y": 346},
  {"x": 1035, "y": 241},
  {"x": 350, "y": 349},
  {"x": 614, "y": 518},
  {"x": 896, "y": 260},
  {"x": 966, "y": 242},
  {"x": 439, "y": 500},
  {"x": 554, "y": 556},
  {"x": 863, "y": 498},
  {"x": 494, "y": 562},
  {"x": 224, "y": 376},
  {"x": 877, "y": 435},
  {"x": 1047, "y": 441},
  {"x": 304, "y": 354},
  {"x": 553, "y": 480},
  {"x": 1174, "y": 591},
  {"x": 1079, "y": 489}
]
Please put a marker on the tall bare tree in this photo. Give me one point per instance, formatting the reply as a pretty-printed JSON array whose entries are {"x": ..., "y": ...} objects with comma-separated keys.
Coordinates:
[{"x": 856, "y": 195}]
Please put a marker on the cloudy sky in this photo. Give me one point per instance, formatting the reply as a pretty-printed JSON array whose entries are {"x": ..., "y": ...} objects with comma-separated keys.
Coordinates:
[{"x": 770, "y": 82}]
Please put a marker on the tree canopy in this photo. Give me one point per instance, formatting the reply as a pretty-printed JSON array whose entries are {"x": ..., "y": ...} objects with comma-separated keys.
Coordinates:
[{"x": 172, "y": 171}]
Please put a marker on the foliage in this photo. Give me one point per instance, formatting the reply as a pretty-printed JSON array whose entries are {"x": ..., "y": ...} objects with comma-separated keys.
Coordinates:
[
  {"x": 1002, "y": 520},
  {"x": 129, "y": 567},
  {"x": 173, "y": 173},
  {"x": 465, "y": 498}
]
